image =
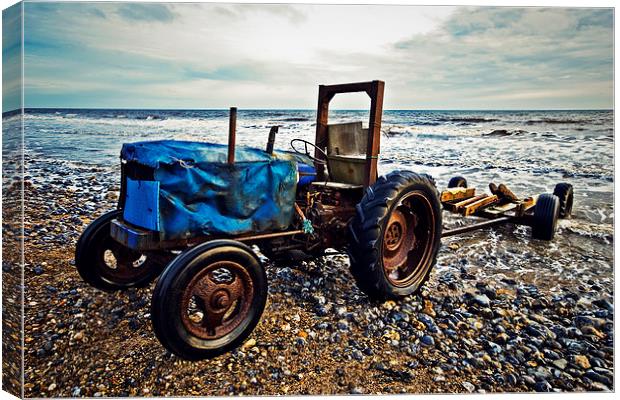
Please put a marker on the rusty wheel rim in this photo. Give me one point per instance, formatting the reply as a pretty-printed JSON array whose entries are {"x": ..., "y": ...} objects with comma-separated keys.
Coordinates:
[
  {"x": 408, "y": 239},
  {"x": 118, "y": 264},
  {"x": 217, "y": 300}
]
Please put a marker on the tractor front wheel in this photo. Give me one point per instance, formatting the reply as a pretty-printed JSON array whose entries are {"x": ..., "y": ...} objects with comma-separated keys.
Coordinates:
[
  {"x": 395, "y": 235},
  {"x": 106, "y": 264},
  {"x": 209, "y": 299}
]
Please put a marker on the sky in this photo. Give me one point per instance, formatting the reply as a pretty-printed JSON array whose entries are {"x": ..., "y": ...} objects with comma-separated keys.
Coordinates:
[
  {"x": 158, "y": 55},
  {"x": 11, "y": 58}
]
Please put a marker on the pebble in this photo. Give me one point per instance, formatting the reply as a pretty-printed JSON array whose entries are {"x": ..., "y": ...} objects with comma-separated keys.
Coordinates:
[
  {"x": 582, "y": 361},
  {"x": 561, "y": 363},
  {"x": 469, "y": 387},
  {"x": 542, "y": 386},
  {"x": 428, "y": 308},
  {"x": 596, "y": 377},
  {"x": 482, "y": 300},
  {"x": 248, "y": 344},
  {"x": 343, "y": 325},
  {"x": 427, "y": 340},
  {"x": 493, "y": 348}
]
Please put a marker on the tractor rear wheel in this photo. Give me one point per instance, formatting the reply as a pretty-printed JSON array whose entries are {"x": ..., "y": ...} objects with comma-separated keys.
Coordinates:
[
  {"x": 395, "y": 235},
  {"x": 545, "y": 219},
  {"x": 209, "y": 299}
]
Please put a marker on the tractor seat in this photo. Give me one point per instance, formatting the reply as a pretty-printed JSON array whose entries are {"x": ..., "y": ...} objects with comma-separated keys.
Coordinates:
[{"x": 346, "y": 152}]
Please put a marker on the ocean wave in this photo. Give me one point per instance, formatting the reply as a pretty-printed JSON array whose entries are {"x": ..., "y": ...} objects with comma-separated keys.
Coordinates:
[
  {"x": 585, "y": 228},
  {"x": 506, "y": 132},
  {"x": 294, "y": 119},
  {"x": 151, "y": 117},
  {"x": 471, "y": 120},
  {"x": 558, "y": 121},
  {"x": 397, "y": 131},
  {"x": 426, "y": 123}
]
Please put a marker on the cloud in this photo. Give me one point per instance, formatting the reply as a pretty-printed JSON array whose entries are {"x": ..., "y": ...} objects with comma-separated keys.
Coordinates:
[
  {"x": 96, "y": 12},
  {"x": 237, "y": 72},
  {"x": 522, "y": 50},
  {"x": 11, "y": 58},
  {"x": 248, "y": 11},
  {"x": 145, "y": 12},
  {"x": 215, "y": 55}
]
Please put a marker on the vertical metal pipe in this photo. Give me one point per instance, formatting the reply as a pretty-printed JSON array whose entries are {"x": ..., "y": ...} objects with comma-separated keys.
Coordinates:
[
  {"x": 232, "y": 133},
  {"x": 272, "y": 139}
]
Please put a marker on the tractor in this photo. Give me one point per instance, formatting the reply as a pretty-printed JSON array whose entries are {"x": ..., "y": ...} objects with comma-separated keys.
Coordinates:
[{"x": 194, "y": 215}]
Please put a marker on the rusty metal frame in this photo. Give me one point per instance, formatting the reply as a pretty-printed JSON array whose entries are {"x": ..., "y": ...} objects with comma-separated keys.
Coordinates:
[
  {"x": 478, "y": 206},
  {"x": 477, "y": 226},
  {"x": 374, "y": 89},
  {"x": 147, "y": 240}
]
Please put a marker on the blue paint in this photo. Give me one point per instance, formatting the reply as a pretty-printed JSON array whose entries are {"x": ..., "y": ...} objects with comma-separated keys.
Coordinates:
[
  {"x": 199, "y": 194},
  {"x": 307, "y": 174},
  {"x": 142, "y": 204}
]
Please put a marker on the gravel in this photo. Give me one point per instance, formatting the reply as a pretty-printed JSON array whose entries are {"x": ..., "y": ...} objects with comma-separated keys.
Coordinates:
[{"x": 475, "y": 326}]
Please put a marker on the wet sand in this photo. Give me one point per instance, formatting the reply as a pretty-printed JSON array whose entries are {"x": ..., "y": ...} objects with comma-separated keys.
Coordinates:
[{"x": 500, "y": 313}]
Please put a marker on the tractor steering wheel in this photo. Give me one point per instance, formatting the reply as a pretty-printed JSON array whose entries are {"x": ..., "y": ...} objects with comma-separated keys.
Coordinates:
[{"x": 307, "y": 153}]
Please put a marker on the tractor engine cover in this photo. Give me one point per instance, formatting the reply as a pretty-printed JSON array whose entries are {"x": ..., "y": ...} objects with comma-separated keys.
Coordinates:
[{"x": 187, "y": 189}]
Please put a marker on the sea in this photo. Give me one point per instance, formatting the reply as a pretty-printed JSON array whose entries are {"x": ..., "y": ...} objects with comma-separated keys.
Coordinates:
[{"x": 530, "y": 151}]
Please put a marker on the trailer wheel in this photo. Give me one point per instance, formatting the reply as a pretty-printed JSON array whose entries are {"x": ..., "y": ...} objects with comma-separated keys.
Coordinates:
[
  {"x": 457, "y": 181},
  {"x": 395, "y": 235},
  {"x": 107, "y": 265},
  {"x": 209, "y": 299},
  {"x": 545, "y": 217},
  {"x": 564, "y": 191}
]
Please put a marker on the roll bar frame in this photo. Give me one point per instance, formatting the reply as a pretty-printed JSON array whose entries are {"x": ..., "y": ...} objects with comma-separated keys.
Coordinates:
[{"x": 374, "y": 89}]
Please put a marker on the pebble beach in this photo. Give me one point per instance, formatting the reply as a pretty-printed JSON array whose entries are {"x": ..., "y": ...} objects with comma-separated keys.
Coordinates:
[{"x": 500, "y": 313}]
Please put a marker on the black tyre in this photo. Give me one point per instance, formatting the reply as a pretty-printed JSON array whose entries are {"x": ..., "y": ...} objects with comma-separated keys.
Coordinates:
[
  {"x": 457, "y": 181},
  {"x": 564, "y": 191},
  {"x": 105, "y": 264},
  {"x": 545, "y": 217},
  {"x": 395, "y": 235},
  {"x": 209, "y": 299}
]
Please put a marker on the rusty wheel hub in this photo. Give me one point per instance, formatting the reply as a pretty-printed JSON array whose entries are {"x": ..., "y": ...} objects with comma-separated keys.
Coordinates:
[
  {"x": 407, "y": 239},
  {"x": 396, "y": 230},
  {"x": 217, "y": 300},
  {"x": 120, "y": 264}
]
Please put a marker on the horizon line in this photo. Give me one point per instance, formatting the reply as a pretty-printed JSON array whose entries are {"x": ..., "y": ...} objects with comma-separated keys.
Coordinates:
[{"x": 305, "y": 109}]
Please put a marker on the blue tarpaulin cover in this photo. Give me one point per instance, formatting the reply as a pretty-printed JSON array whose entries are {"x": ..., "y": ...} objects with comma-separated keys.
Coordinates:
[{"x": 198, "y": 193}]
